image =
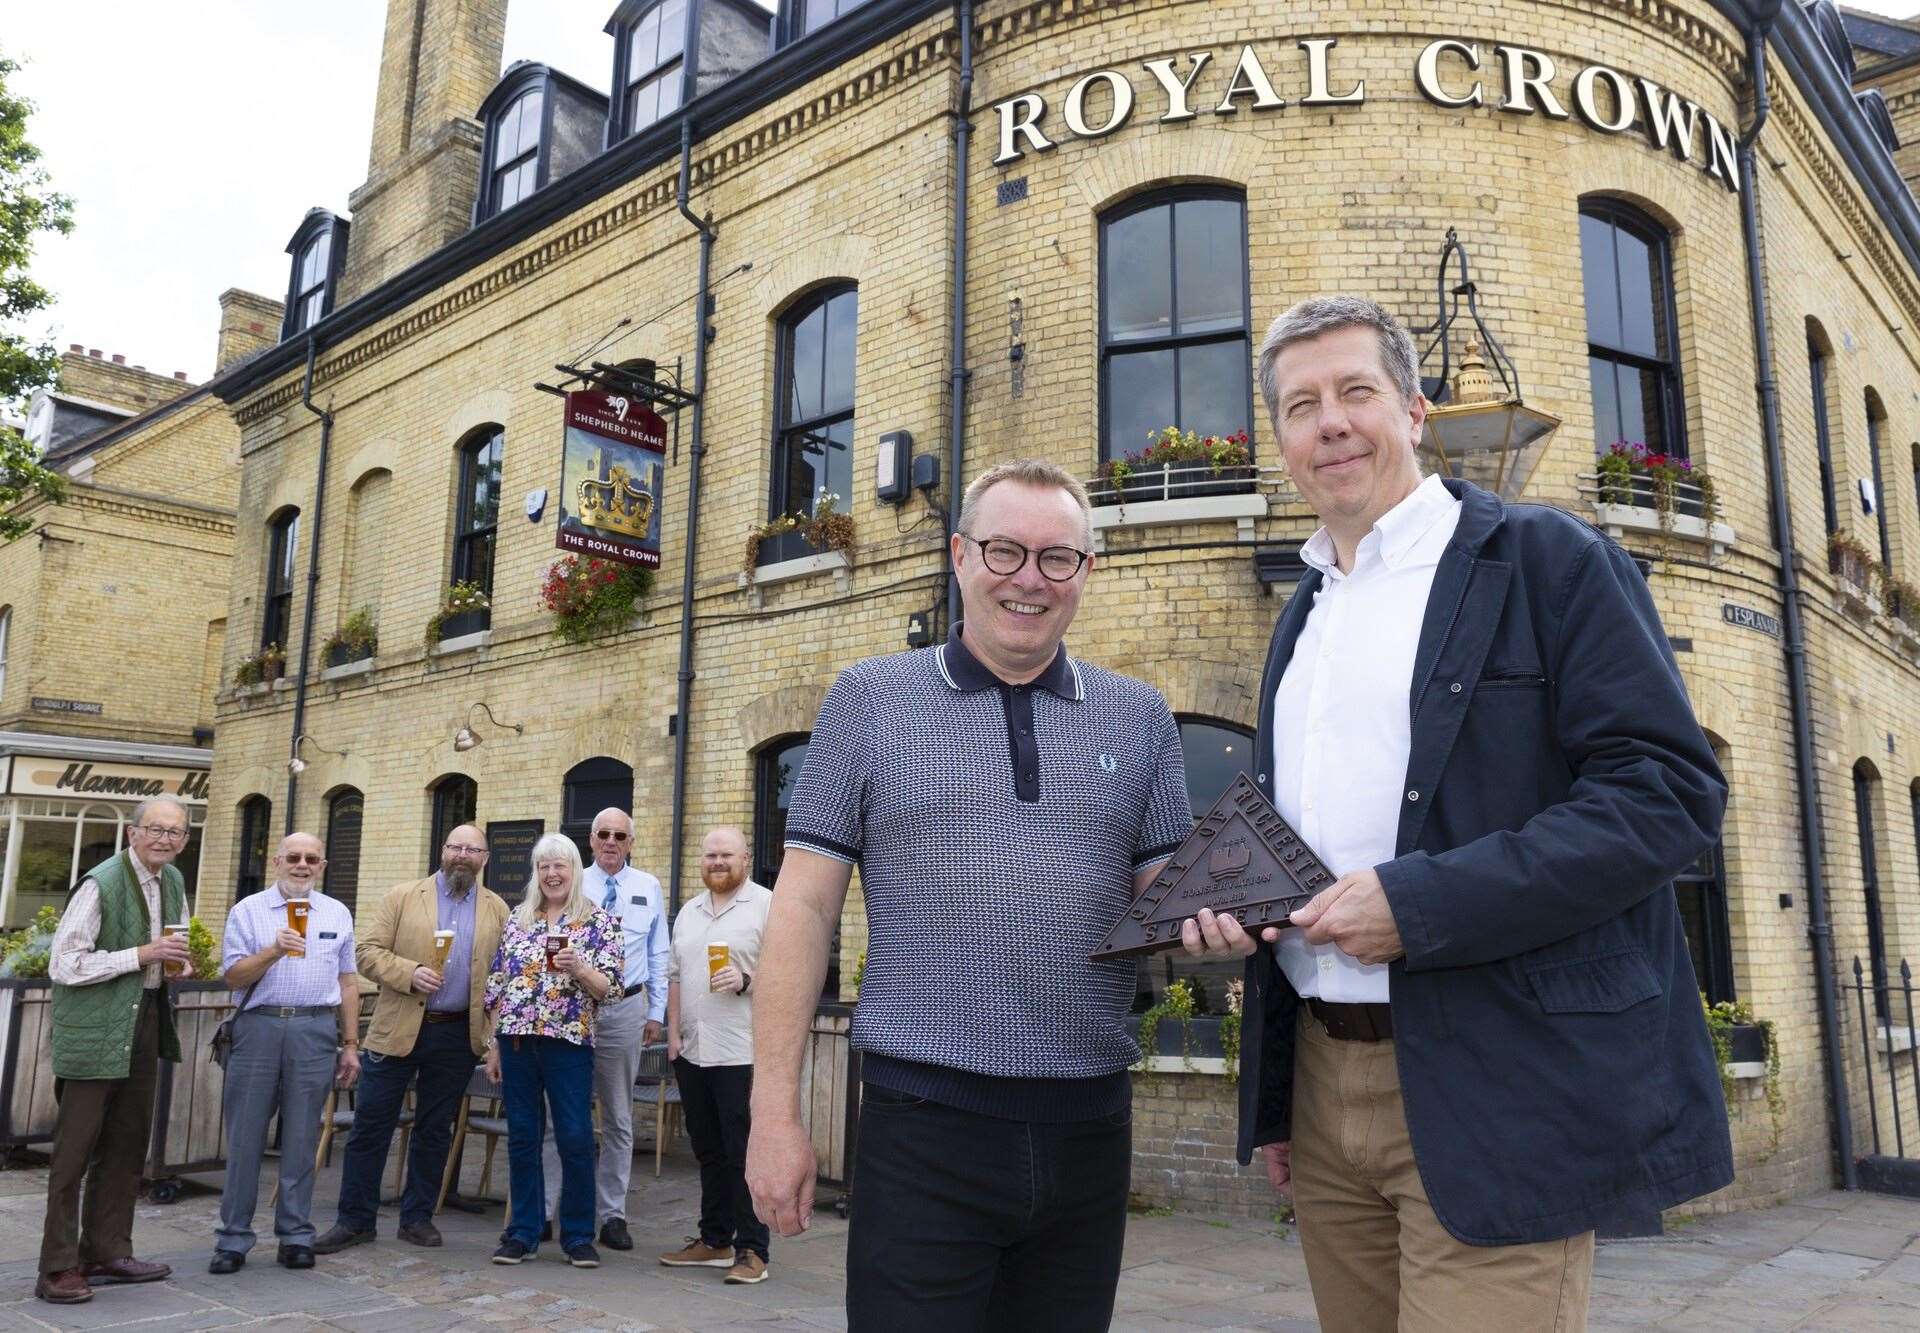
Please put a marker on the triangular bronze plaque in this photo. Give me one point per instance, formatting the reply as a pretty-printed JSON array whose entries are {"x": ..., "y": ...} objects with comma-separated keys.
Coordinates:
[{"x": 1241, "y": 859}]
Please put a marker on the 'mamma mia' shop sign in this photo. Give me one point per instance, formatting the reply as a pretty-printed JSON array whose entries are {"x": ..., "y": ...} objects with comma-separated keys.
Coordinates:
[
  {"x": 36, "y": 776},
  {"x": 1448, "y": 72}
]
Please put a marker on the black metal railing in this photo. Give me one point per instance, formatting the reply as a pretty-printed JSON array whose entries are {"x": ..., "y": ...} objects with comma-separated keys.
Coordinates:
[{"x": 1882, "y": 1036}]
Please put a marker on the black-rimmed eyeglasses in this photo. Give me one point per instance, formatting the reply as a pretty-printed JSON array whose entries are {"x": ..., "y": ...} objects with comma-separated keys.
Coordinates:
[{"x": 1006, "y": 557}]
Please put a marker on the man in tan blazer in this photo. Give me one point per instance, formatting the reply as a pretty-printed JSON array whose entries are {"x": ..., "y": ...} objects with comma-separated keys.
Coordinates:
[{"x": 427, "y": 1022}]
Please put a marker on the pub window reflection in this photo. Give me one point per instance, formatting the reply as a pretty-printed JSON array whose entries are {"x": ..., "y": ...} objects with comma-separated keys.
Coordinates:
[
  {"x": 456, "y": 799},
  {"x": 256, "y": 819},
  {"x": 283, "y": 534},
  {"x": 1820, "y": 372},
  {"x": 1174, "y": 349},
  {"x": 813, "y": 441},
  {"x": 590, "y": 786},
  {"x": 776, "y": 772},
  {"x": 346, "y": 814}
]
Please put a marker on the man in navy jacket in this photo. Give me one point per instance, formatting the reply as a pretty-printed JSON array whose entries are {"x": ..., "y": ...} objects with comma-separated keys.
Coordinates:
[{"x": 1485, "y": 1040}]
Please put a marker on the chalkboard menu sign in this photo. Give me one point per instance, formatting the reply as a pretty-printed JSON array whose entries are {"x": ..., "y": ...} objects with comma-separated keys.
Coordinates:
[{"x": 510, "y": 856}]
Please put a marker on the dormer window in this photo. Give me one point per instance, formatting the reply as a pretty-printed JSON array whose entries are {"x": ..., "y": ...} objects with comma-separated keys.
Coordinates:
[
  {"x": 319, "y": 251},
  {"x": 540, "y": 125},
  {"x": 516, "y": 151},
  {"x": 649, "y": 63}
]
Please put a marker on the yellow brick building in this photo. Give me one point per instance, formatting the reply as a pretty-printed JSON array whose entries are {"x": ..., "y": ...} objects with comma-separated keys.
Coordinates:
[
  {"x": 113, "y": 610},
  {"x": 1147, "y": 183}
]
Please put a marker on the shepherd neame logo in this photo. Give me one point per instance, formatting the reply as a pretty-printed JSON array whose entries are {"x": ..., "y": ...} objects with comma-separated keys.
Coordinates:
[{"x": 1447, "y": 72}]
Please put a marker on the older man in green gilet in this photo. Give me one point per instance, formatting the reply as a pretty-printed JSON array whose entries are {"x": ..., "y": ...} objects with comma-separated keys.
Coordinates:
[{"x": 111, "y": 1025}]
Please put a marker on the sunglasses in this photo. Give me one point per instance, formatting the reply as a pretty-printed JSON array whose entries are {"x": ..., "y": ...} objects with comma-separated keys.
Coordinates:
[
  {"x": 609, "y": 833},
  {"x": 302, "y": 858}
]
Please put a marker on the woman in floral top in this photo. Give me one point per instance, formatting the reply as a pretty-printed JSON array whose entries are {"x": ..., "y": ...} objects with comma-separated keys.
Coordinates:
[{"x": 540, "y": 1045}]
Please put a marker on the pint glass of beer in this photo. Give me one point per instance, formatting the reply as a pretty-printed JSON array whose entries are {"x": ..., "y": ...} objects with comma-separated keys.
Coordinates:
[
  {"x": 442, "y": 946},
  {"x": 556, "y": 941},
  {"x": 718, "y": 956},
  {"x": 297, "y": 909},
  {"x": 179, "y": 931}
]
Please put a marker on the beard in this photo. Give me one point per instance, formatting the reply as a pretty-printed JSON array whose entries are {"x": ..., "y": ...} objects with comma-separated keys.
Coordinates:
[
  {"x": 722, "y": 880},
  {"x": 459, "y": 877}
]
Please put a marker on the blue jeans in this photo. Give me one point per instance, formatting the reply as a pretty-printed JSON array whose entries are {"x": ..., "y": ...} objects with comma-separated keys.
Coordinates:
[
  {"x": 443, "y": 1059},
  {"x": 538, "y": 1074}
]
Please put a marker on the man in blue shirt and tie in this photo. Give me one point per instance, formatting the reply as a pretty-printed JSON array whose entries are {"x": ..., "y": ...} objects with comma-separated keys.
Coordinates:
[{"x": 628, "y": 1019}]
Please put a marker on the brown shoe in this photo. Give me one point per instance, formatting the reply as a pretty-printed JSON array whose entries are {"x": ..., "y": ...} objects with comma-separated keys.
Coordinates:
[
  {"x": 128, "y": 1269},
  {"x": 699, "y": 1255},
  {"x": 67, "y": 1288},
  {"x": 751, "y": 1268}
]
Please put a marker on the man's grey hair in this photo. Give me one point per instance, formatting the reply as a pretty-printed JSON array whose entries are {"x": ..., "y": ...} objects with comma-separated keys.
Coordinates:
[
  {"x": 1032, "y": 472},
  {"x": 140, "y": 811},
  {"x": 1319, "y": 315}
]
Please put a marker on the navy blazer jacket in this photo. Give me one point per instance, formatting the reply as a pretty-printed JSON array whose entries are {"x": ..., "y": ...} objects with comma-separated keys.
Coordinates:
[{"x": 1552, "y": 1052}]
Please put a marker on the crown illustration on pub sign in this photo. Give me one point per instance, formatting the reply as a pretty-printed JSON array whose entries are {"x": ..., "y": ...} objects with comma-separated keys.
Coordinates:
[{"x": 616, "y": 504}]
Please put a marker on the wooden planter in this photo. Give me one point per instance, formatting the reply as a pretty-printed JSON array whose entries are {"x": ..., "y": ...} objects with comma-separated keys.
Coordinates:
[{"x": 27, "y": 1109}]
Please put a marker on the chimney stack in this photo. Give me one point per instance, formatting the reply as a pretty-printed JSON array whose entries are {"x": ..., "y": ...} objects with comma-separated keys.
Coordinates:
[
  {"x": 438, "y": 61},
  {"x": 249, "y": 324}
]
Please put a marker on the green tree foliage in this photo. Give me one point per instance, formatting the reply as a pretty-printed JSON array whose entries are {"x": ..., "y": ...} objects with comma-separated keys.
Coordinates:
[{"x": 29, "y": 206}]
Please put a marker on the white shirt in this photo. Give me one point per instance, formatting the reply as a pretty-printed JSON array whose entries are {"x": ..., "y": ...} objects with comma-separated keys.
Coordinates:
[
  {"x": 310, "y": 978},
  {"x": 75, "y": 961},
  {"x": 1341, "y": 728},
  {"x": 716, "y": 1027},
  {"x": 641, "y": 908}
]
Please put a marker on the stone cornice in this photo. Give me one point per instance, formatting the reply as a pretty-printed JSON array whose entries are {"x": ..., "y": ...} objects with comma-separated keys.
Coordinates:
[{"x": 150, "y": 509}]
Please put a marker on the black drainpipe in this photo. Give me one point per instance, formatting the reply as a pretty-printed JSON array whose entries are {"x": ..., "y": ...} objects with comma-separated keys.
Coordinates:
[
  {"x": 957, "y": 390},
  {"x": 313, "y": 577},
  {"x": 703, "y": 333},
  {"x": 1819, "y": 928}
]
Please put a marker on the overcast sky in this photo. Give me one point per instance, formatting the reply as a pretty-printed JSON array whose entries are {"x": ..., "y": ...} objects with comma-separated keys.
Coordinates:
[{"x": 194, "y": 137}]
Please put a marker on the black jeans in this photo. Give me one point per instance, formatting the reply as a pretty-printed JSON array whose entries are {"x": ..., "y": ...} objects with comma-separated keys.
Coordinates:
[
  {"x": 443, "y": 1059},
  {"x": 715, "y": 1099},
  {"x": 966, "y": 1222}
]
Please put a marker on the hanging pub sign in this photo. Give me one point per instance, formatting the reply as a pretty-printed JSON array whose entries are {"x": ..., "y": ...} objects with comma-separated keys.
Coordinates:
[{"x": 610, "y": 476}]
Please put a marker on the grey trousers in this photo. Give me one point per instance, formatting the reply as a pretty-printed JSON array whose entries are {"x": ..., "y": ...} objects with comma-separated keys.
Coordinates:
[
  {"x": 284, "y": 1065},
  {"x": 617, "y": 1032}
]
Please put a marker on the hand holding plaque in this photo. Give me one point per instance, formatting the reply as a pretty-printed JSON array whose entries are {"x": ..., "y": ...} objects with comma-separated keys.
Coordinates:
[{"x": 1242, "y": 860}]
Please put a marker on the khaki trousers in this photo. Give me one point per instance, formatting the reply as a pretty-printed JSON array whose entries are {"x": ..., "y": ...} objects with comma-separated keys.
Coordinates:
[
  {"x": 1376, "y": 1255},
  {"x": 100, "y": 1141}
]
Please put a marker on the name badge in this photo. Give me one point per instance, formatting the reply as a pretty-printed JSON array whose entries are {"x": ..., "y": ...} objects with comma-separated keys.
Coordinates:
[
  {"x": 329, "y": 934},
  {"x": 639, "y": 900}
]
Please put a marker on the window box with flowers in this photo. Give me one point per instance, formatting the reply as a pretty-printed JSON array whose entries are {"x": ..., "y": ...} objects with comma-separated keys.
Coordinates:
[
  {"x": 590, "y": 598},
  {"x": 796, "y": 545},
  {"x": 1180, "y": 477},
  {"x": 357, "y": 639},
  {"x": 1902, "y": 603},
  {"x": 1635, "y": 490},
  {"x": 466, "y": 611},
  {"x": 1854, "y": 572},
  {"x": 264, "y": 667}
]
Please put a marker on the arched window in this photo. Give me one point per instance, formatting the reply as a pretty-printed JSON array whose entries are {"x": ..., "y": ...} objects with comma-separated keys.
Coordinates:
[
  {"x": 813, "y": 444},
  {"x": 1174, "y": 312},
  {"x": 346, "y": 808},
  {"x": 1865, "y": 780},
  {"x": 648, "y": 65},
  {"x": 276, "y": 621},
  {"x": 319, "y": 250},
  {"x": 456, "y": 801},
  {"x": 514, "y": 172},
  {"x": 590, "y": 786},
  {"x": 1876, "y": 432},
  {"x": 1633, "y": 339},
  {"x": 1819, "y": 364},
  {"x": 256, "y": 819},
  {"x": 476, "y": 520},
  {"x": 776, "y": 772}
]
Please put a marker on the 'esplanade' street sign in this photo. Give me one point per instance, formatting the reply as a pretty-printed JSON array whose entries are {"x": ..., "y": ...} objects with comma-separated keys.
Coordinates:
[{"x": 1448, "y": 72}]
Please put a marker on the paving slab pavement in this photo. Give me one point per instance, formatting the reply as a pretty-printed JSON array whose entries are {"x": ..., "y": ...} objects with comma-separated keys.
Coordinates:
[{"x": 1831, "y": 1261}]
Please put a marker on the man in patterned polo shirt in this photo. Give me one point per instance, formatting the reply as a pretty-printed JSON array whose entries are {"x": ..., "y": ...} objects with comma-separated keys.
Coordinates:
[{"x": 1004, "y": 803}]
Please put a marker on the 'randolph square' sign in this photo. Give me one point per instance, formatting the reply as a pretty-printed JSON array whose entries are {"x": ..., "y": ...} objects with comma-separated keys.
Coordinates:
[{"x": 1448, "y": 72}]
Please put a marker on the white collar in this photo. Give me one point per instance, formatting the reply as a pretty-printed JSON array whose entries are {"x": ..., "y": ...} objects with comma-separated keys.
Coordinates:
[{"x": 1395, "y": 535}]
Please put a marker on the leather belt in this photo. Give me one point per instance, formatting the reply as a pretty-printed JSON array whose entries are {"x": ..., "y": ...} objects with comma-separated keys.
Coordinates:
[
  {"x": 627, "y": 991},
  {"x": 446, "y": 1016},
  {"x": 293, "y": 1010},
  {"x": 1353, "y": 1022}
]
